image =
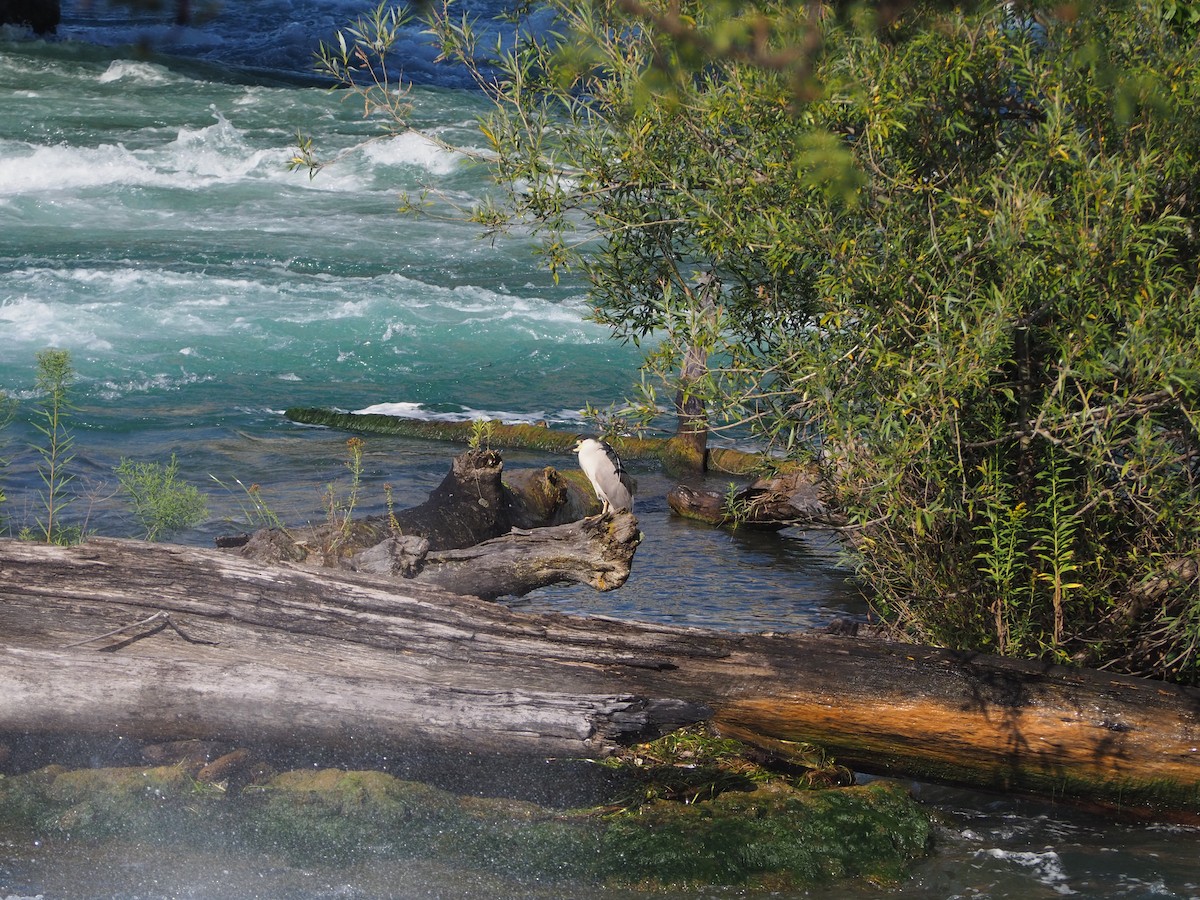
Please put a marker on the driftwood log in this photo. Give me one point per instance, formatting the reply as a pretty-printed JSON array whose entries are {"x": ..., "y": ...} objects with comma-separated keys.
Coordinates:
[
  {"x": 780, "y": 501},
  {"x": 481, "y": 532},
  {"x": 153, "y": 642},
  {"x": 597, "y": 551}
]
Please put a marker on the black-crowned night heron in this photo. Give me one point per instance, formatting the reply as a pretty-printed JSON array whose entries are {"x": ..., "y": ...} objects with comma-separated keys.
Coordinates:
[{"x": 603, "y": 468}]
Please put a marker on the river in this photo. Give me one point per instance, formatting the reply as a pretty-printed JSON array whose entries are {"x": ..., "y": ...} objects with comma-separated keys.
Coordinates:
[{"x": 149, "y": 226}]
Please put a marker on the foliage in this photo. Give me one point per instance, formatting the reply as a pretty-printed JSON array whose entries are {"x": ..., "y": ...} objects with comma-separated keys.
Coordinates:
[
  {"x": 8, "y": 409},
  {"x": 162, "y": 504},
  {"x": 958, "y": 266},
  {"x": 254, "y": 506},
  {"x": 1001, "y": 368},
  {"x": 482, "y": 431},
  {"x": 339, "y": 512},
  {"x": 55, "y": 375}
]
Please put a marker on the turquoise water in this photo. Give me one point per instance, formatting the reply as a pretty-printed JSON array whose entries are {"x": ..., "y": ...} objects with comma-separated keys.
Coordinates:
[{"x": 149, "y": 225}]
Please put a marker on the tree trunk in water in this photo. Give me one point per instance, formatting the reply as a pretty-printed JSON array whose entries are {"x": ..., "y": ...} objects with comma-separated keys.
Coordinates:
[
  {"x": 467, "y": 536},
  {"x": 689, "y": 446},
  {"x": 155, "y": 642},
  {"x": 792, "y": 499}
]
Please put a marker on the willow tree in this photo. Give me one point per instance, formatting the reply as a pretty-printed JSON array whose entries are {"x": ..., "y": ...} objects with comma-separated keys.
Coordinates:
[{"x": 957, "y": 257}]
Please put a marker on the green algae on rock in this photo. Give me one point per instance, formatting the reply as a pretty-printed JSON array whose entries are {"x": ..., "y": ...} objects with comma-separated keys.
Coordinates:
[{"x": 773, "y": 834}]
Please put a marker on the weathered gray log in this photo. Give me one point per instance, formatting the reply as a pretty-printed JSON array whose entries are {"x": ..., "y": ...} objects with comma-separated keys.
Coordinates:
[
  {"x": 466, "y": 508},
  {"x": 477, "y": 534},
  {"x": 159, "y": 642},
  {"x": 104, "y": 639},
  {"x": 597, "y": 551}
]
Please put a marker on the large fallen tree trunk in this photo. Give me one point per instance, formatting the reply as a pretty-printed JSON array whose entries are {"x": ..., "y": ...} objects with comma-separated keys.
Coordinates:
[{"x": 157, "y": 642}]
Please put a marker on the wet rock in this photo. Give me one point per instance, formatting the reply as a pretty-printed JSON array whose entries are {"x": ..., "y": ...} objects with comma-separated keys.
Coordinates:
[
  {"x": 772, "y": 835},
  {"x": 235, "y": 770},
  {"x": 192, "y": 755}
]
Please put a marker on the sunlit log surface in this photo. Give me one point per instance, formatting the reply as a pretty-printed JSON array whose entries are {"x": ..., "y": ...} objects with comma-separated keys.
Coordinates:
[{"x": 232, "y": 649}]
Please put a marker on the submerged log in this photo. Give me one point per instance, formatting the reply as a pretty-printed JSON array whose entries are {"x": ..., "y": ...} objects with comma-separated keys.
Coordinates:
[
  {"x": 791, "y": 499},
  {"x": 674, "y": 451},
  {"x": 154, "y": 642}
]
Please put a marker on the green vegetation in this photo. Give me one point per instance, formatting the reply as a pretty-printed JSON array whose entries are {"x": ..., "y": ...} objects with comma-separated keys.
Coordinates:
[
  {"x": 255, "y": 509},
  {"x": 957, "y": 256},
  {"x": 482, "y": 431},
  {"x": 55, "y": 375},
  {"x": 162, "y": 504},
  {"x": 8, "y": 409},
  {"x": 757, "y": 835},
  {"x": 339, "y": 513}
]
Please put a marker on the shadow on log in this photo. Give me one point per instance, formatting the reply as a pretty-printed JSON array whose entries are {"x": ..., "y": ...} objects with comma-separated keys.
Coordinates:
[{"x": 154, "y": 642}]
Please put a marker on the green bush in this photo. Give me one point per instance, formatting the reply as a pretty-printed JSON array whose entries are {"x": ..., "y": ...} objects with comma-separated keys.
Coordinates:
[
  {"x": 957, "y": 254},
  {"x": 162, "y": 504}
]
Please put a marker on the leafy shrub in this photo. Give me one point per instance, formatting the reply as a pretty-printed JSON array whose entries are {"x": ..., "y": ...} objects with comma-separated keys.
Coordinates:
[{"x": 162, "y": 504}]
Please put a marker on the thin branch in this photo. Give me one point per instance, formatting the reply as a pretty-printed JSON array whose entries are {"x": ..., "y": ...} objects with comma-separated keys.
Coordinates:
[{"x": 161, "y": 617}]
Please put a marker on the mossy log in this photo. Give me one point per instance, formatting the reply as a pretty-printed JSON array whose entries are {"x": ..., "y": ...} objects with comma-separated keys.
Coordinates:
[
  {"x": 675, "y": 453},
  {"x": 155, "y": 642}
]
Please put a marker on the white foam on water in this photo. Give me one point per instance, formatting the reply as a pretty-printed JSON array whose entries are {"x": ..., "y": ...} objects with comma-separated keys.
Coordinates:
[
  {"x": 409, "y": 307},
  {"x": 409, "y": 410},
  {"x": 1045, "y": 866},
  {"x": 29, "y": 320},
  {"x": 402, "y": 409},
  {"x": 395, "y": 329},
  {"x": 196, "y": 158},
  {"x": 58, "y": 168},
  {"x": 111, "y": 389},
  {"x": 412, "y": 149},
  {"x": 139, "y": 73},
  {"x": 330, "y": 312},
  {"x": 217, "y": 152},
  {"x": 1138, "y": 887}
]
